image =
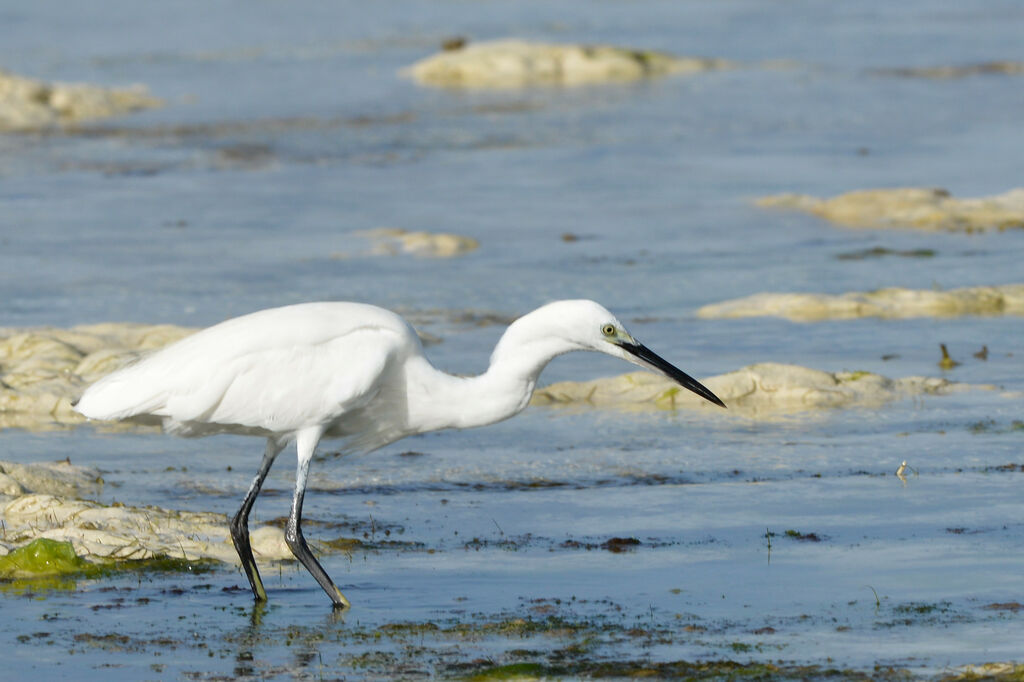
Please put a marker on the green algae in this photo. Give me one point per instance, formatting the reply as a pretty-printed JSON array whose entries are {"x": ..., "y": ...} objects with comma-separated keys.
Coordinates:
[
  {"x": 512, "y": 671},
  {"x": 910, "y": 614},
  {"x": 409, "y": 628},
  {"x": 946, "y": 362},
  {"x": 49, "y": 565},
  {"x": 160, "y": 564},
  {"x": 568, "y": 647},
  {"x": 667, "y": 398},
  {"x": 922, "y": 608},
  {"x": 370, "y": 660},
  {"x": 42, "y": 557},
  {"x": 685, "y": 670},
  {"x": 42, "y": 565},
  {"x": 803, "y": 537},
  {"x": 344, "y": 544},
  {"x": 881, "y": 251},
  {"x": 992, "y": 426}
]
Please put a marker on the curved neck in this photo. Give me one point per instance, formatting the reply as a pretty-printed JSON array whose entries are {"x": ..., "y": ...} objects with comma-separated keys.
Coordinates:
[{"x": 501, "y": 392}]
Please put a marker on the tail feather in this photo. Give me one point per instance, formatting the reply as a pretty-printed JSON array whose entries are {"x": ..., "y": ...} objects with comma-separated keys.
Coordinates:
[{"x": 117, "y": 397}]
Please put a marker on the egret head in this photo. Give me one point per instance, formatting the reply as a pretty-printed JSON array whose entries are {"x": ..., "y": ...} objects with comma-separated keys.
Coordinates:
[{"x": 587, "y": 325}]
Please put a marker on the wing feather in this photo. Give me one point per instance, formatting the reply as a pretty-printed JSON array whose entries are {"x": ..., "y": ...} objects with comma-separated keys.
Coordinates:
[{"x": 275, "y": 370}]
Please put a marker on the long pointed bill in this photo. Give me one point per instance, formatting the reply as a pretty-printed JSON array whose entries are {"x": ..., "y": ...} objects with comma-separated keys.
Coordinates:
[{"x": 651, "y": 360}]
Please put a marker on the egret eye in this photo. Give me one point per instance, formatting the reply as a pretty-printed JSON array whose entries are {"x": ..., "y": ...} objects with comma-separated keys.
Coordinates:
[{"x": 608, "y": 330}]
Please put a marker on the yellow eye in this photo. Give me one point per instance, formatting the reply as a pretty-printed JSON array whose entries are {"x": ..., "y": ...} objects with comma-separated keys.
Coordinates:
[{"x": 608, "y": 330}]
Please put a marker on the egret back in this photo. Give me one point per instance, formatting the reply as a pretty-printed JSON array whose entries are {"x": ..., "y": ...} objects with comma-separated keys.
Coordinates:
[{"x": 275, "y": 370}]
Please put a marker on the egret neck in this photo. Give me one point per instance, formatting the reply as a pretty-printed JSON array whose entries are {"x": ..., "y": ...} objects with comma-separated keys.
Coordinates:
[{"x": 441, "y": 400}]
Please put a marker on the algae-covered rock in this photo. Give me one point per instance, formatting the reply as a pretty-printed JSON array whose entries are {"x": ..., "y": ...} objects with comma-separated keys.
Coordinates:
[
  {"x": 43, "y": 370},
  {"x": 766, "y": 388},
  {"x": 520, "y": 63},
  {"x": 121, "y": 532},
  {"x": 887, "y": 303},
  {"x": 392, "y": 241},
  {"x": 27, "y": 104},
  {"x": 909, "y": 207}
]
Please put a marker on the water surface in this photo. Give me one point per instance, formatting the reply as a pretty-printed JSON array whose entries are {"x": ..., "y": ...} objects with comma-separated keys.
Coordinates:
[{"x": 288, "y": 129}]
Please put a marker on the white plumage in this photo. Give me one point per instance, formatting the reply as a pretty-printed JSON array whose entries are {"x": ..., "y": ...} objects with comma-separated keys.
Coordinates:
[
  {"x": 343, "y": 370},
  {"x": 268, "y": 372}
]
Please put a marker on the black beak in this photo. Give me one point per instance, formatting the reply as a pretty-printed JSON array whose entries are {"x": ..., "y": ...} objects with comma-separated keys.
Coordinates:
[{"x": 649, "y": 358}]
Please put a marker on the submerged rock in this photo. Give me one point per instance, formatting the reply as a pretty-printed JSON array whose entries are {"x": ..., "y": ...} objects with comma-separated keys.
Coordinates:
[
  {"x": 766, "y": 388},
  {"x": 909, "y": 207},
  {"x": 54, "y": 478},
  {"x": 100, "y": 532},
  {"x": 1007, "y": 68},
  {"x": 519, "y": 63},
  {"x": 888, "y": 303},
  {"x": 43, "y": 370},
  {"x": 27, "y": 104},
  {"x": 391, "y": 241}
]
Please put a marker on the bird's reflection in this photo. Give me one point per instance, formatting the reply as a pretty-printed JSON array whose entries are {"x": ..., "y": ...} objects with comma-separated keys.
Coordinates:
[{"x": 260, "y": 634}]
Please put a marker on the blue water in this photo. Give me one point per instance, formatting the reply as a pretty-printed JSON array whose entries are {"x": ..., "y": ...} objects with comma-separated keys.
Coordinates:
[{"x": 288, "y": 128}]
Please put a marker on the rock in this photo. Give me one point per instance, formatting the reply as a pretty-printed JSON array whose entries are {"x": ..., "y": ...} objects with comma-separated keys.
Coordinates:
[
  {"x": 9, "y": 486},
  {"x": 27, "y": 104},
  {"x": 54, "y": 478},
  {"x": 392, "y": 241},
  {"x": 887, "y": 303},
  {"x": 987, "y": 671},
  {"x": 43, "y": 370},
  {"x": 909, "y": 207},
  {"x": 518, "y": 63},
  {"x": 100, "y": 532},
  {"x": 268, "y": 543},
  {"x": 757, "y": 390}
]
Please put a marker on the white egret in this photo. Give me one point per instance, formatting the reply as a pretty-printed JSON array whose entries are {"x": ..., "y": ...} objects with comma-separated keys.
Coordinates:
[{"x": 344, "y": 370}]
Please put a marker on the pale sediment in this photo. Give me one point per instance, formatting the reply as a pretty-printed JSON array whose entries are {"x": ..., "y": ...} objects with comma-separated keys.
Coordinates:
[
  {"x": 889, "y": 303},
  {"x": 43, "y": 370},
  {"x": 390, "y": 241},
  {"x": 763, "y": 389},
  {"x": 910, "y": 207},
  {"x": 519, "y": 63},
  {"x": 27, "y": 104}
]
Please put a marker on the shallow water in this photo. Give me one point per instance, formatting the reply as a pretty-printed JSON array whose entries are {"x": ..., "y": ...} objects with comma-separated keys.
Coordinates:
[{"x": 287, "y": 130}]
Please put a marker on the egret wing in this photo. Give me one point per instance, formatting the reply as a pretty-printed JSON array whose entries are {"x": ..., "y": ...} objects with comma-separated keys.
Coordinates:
[
  {"x": 288, "y": 389},
  {"x": 308, "y": 360}
]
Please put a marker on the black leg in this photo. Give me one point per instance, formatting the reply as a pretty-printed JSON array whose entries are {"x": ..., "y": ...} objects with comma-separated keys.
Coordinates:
[
  {"x": 305, "y": 445},
  {"x": 240, "y": 523}
]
